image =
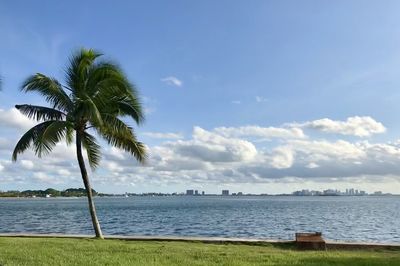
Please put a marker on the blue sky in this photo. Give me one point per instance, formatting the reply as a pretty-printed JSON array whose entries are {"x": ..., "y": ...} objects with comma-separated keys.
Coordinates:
[{"x": 204, "y": 65}]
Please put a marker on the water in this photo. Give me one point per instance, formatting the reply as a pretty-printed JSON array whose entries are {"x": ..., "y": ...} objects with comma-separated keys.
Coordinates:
[{"x": 370, "y": 219}]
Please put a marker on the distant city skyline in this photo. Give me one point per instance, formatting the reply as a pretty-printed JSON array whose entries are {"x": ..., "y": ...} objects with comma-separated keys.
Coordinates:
[{"x": 224, "y": 192}]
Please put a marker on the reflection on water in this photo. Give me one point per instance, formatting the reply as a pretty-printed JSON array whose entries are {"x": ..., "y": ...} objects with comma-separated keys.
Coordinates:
[{"x": 372, "y": 219}]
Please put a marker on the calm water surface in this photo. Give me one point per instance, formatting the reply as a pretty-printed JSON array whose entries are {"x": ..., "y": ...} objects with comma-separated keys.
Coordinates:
[{"x": 372, "y": 219}]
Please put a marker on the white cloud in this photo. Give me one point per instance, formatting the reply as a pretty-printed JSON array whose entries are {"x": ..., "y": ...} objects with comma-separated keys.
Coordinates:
[
  {"x": 260, "y": 99},
  {"x": 222, "y": 155},
  {"x": 27, "y": 164},
  {"x": 172, "y": 81},
  {"x": 116, "y": 153},
  {"x": 113, "y": 166},
  {"x": 159, "y": 135},
  {"x": 149, "y": 110},
  {"x": 45, "y": 178},
  {"x": 210, "y": 147},
  {"x": 63, "y": 172},
  {"x": 312, "y": 165},
  {"x": 326, "y": 150},
  {"x": 360, "y": 126},
  {"x": 282, "y": 157},
  {"x": 236, "y": 102},
  {"x": 14, "y": 119},
  {"x": 262, "y": 132}
]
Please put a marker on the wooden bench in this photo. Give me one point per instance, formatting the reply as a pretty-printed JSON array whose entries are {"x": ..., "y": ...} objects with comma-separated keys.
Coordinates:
[{"x": 310, "y": 241}]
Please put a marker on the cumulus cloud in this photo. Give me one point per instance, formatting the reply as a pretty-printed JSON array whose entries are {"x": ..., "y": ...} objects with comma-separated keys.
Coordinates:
[
  {"x": 222, "y": 155},
  {"x": 211, "y": 147},
  {"x": 172, "y": 81},
  {"x": 282, "y": 157},
  {"x": 323, "y": 150},
  {"x": 12, "y": 118},
  {"x": 261, "y": 132},
  {"x": 359, "y": 126},
  {"x": 27, "y": 164},
  {"x": 159, "y": 135}
]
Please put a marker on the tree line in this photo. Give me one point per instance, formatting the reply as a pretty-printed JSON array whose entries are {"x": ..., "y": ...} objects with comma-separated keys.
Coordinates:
[{"x": 70, "y": 192}]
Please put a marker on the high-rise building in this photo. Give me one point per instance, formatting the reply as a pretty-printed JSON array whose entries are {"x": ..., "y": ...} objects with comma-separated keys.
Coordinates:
[
  {"x": 196, "y": 192},
  {"x": 203, "y": 193},
  {"x": 225, "y": 192},
  {"x": 189, "y": 192}
]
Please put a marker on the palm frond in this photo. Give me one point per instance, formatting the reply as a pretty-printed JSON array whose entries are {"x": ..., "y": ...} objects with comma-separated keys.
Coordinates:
[
  {"x": 37, "y": 135},
  {"x": 88, "y": 111},
  {"x": 40, "y": 113},
  {"x": 115, "y": 124},
  {"x": 125, "y": 140},
  {"x": 49, "y": 136},
  {"x": 131, "y": 107},
  {"x": 69, "y": 134},
  {"x": 50, "y": 88},
  {"x": 77, "y": 71},
  {"x": 110, "y": 89},
  {"x": 104, "y": 74},
  {"x": 92, "y": 148},
  {"x": 26, "y": 140}
]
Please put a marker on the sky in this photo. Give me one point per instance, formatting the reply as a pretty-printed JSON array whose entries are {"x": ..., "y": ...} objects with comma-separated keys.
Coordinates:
[{"x": 250, "y": 96}]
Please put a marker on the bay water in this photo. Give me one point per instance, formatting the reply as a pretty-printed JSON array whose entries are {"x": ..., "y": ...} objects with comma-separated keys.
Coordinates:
[{"x": 356, "y": 219}]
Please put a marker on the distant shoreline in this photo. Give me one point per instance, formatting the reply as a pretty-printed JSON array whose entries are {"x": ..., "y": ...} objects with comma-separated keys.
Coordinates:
[{"x": 199, "y": 196}]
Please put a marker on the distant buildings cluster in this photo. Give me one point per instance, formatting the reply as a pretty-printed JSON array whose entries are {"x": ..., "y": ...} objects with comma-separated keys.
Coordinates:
[
  {"x": 336, "y": 192},
  {"x": 191, "y": 192},
  {"x": 304, "y": 192},
  {"x": 224, "y": 192}
]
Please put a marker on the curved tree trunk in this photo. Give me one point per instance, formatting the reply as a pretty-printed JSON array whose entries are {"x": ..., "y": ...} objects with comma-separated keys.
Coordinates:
[{"x": 85, "y": 178}]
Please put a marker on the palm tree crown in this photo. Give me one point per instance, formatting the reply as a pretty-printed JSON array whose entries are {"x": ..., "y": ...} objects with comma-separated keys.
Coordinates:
[{"x": 95, "y": 97}]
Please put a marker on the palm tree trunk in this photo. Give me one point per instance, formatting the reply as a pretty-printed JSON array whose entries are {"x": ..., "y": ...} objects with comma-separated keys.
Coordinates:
[{"x": 85, "y": 178}]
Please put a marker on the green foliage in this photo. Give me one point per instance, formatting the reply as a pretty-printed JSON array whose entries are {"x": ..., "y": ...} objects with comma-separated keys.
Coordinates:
[
  {"x": 47, "y": 251},
  {"x": 70, "y": 192},
  {"x": 96, "y": 95}
]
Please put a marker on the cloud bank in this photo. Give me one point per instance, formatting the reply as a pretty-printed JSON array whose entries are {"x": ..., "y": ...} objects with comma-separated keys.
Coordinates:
[
  {"x": 222, "y": 155},
  {"x": 359, "y": 126}
]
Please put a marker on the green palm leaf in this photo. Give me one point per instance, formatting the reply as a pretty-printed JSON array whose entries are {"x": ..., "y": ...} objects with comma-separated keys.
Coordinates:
[
  {"x": 77, "y": 70},
  {"x": 40, "y": 113},
  {"x": 43, "y": 137},
  {"x": 93, "y": 150},
  {"x": 49, "y": 136},
  {"x": 125, "y": 140},
  {"x": 50, "y": 88}
]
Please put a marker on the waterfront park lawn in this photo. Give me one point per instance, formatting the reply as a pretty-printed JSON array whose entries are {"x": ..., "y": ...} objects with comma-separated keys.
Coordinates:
[{"x": 67, "y": 251}]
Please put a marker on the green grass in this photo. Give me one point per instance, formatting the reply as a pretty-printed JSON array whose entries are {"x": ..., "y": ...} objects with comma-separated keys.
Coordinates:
[{"x": 63, "y": 251}]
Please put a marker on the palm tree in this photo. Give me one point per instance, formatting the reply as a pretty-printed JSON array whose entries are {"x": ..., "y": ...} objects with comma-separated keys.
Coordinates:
[{"x": 97, "y": 94}]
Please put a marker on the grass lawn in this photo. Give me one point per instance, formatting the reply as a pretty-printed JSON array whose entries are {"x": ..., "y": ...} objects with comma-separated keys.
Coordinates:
[{"x": 63, "y": 251}]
